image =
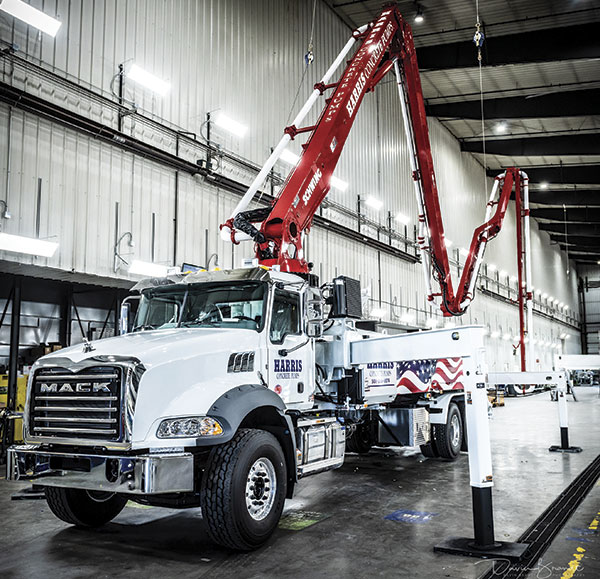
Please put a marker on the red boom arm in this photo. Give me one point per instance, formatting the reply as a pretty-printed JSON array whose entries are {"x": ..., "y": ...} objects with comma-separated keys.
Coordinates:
[{"x": 385, "y": 44}]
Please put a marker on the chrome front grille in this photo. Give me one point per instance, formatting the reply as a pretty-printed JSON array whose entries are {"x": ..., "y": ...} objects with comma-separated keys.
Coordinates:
[{"x": 82, "y": 405}]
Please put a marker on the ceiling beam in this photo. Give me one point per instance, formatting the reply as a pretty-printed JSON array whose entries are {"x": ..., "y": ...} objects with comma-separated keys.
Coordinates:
[
  {"x": 591, "y": 251},
  {"x": 550, "y": 44},
  {"x": 578, "y": 240},
  {"x": 557, "y": 104},
  {"x": 571, "y": 174},
  {"x": 580, "y": 215},
  {"x": 589, "y": 229},
  {"x": 566, "y": 197},
  {"x": 576, "y": 144}
]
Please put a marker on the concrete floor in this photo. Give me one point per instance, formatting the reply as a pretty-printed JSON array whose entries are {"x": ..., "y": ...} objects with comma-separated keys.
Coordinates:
[{"x": 351, "y": 536}]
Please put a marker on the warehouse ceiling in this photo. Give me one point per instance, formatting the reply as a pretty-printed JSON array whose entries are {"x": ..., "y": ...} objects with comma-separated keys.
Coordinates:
[{"x": 541, "y": 90}]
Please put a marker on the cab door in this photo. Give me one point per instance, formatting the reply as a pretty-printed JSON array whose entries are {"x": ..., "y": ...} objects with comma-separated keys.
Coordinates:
[{"x": 291, "y": 354}]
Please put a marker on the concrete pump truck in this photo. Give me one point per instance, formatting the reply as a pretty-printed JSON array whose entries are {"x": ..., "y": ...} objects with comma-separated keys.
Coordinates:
[{"x": 234, "y": 385}]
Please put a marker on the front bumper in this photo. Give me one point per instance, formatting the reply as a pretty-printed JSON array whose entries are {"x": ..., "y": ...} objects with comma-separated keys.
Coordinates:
[{"x": 139, "y": 475}]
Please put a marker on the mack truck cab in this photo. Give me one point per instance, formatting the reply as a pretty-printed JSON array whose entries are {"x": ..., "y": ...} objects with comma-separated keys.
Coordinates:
[{"x": 228, "y": 389}]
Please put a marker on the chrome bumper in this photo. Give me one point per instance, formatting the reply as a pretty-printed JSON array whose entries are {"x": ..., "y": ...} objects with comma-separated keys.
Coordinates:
[{"x": 139, "y": 475}]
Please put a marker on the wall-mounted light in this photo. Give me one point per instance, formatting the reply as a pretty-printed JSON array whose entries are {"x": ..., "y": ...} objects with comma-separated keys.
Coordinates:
[
  {"x": 448, "y": 242},
  {"x": 492, "y": 267},
  {"x": 376, "y": 204},
  {"x": 338, "y": 183},
  {"x": 378, "y": 313},
  {"x": 31, "y": 16},
  {"x": 28, "y": 245},
  {"x": 230, "y": 125},
  {"x": 495, "y": 334},
  {"x": 147, "y": 268},
  {"x": 6, "y": 214},
  {"x": 148, "y": 80},
  {"x": 118, "y": 259},
  {"x": 543, "y": 185},
  {"x": 401, "y": 218},
  {"x": 506, "y": 337},
  {"x": 464, "y": 252}
]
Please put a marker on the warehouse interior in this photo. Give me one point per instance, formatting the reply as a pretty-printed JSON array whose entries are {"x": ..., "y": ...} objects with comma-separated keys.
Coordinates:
[{"x": 131, "y": 135}]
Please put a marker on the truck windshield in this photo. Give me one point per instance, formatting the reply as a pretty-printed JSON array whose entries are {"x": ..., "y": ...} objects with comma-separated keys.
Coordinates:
[{"x": 221, "y": 305}]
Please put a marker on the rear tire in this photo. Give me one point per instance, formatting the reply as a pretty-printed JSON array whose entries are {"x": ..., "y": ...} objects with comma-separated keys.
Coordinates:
[
  {"x": 243, "y": 490},
  {"x": 361, "y": 440},
  {"x": 449, "y": 437},
  {"x": 429, "y": 450},
  {"x": 84, "y": 508}
]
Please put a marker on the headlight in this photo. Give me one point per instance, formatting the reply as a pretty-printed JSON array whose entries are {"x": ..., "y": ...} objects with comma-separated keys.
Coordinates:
[{"x": 188, "y": 427}]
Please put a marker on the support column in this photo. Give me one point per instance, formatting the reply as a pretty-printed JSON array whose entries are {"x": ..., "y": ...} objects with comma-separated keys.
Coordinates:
[
  {"x": 13, "y": 357},
  {"x": 563, "y": 419},
  {"x": 480, "y": 470}
]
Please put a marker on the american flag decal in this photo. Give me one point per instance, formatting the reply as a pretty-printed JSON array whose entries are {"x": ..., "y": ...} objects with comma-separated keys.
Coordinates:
[{"x": 417, "y": 376}]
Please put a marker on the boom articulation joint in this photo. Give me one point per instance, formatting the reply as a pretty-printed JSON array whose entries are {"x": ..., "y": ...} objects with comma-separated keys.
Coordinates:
[{"x": 277, "y": 231}]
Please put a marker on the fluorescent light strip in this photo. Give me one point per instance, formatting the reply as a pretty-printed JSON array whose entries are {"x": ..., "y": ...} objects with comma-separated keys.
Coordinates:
[
  {"x": 28, "y": 245},
  {"x": 289, "y": 157},
  {"x": 230, "y": 125},
  {"x": 404, "y": 219},
  {"x": 138, "y": 267},
  {"x": 143, "y": 77},
  {"x": 376, "y": 204},
  {"x": 31, "y": 16},
  {"x": 338, "y": 183}
]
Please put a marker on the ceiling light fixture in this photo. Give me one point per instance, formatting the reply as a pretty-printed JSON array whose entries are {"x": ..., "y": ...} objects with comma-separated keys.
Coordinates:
[
  {"x": 28, "y": 245},
  {"x": 31, "y": 16},
  {"x": 500, "y": 128},
  {"x": 148, "y": 80},
  {"x": 420, "y": 15},
  {"x": 543, "y": 185}
]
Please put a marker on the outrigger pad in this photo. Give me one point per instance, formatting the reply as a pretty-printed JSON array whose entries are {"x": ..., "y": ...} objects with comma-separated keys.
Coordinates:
[
  {"x": 467, "y": 547},
  {"x": 571, "y": 449}
]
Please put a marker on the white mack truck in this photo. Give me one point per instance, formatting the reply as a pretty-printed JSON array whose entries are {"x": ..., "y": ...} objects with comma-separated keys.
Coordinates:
[{"x": 231, "y": 387}]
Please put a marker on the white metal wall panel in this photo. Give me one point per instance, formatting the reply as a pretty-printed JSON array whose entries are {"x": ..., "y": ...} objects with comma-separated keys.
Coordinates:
[{"x": 245, "y": 59}]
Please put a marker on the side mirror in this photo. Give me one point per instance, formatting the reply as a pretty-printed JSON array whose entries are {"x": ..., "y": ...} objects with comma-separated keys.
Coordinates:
[
  {"x": 314, "y": 328},
  {"x": 314, "y": 313},
  {"x": 125, "y": 317}
]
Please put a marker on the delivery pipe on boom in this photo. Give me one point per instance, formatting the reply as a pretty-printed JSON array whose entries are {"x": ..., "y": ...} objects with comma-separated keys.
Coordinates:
[
  {"x": 237, "y": 236},
  {"x": 277, "y": 231}
]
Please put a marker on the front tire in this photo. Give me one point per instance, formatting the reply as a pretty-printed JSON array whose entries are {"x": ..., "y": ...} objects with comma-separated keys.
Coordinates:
[
  {"x": 84, "y": 508},
  {"x": 243, "y": 490},
  {"x": 449, "y": 437}
]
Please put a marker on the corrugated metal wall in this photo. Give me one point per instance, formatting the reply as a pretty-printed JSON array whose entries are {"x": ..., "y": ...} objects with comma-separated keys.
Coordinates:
[{"x": 247, "y": 60}]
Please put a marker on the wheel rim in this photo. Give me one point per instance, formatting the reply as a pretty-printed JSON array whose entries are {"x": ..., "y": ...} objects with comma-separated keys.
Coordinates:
[
  {"x": 261, "y": 488},
  {"x": 100, "y": 496},
  {"x": 455, "y": 431}
]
